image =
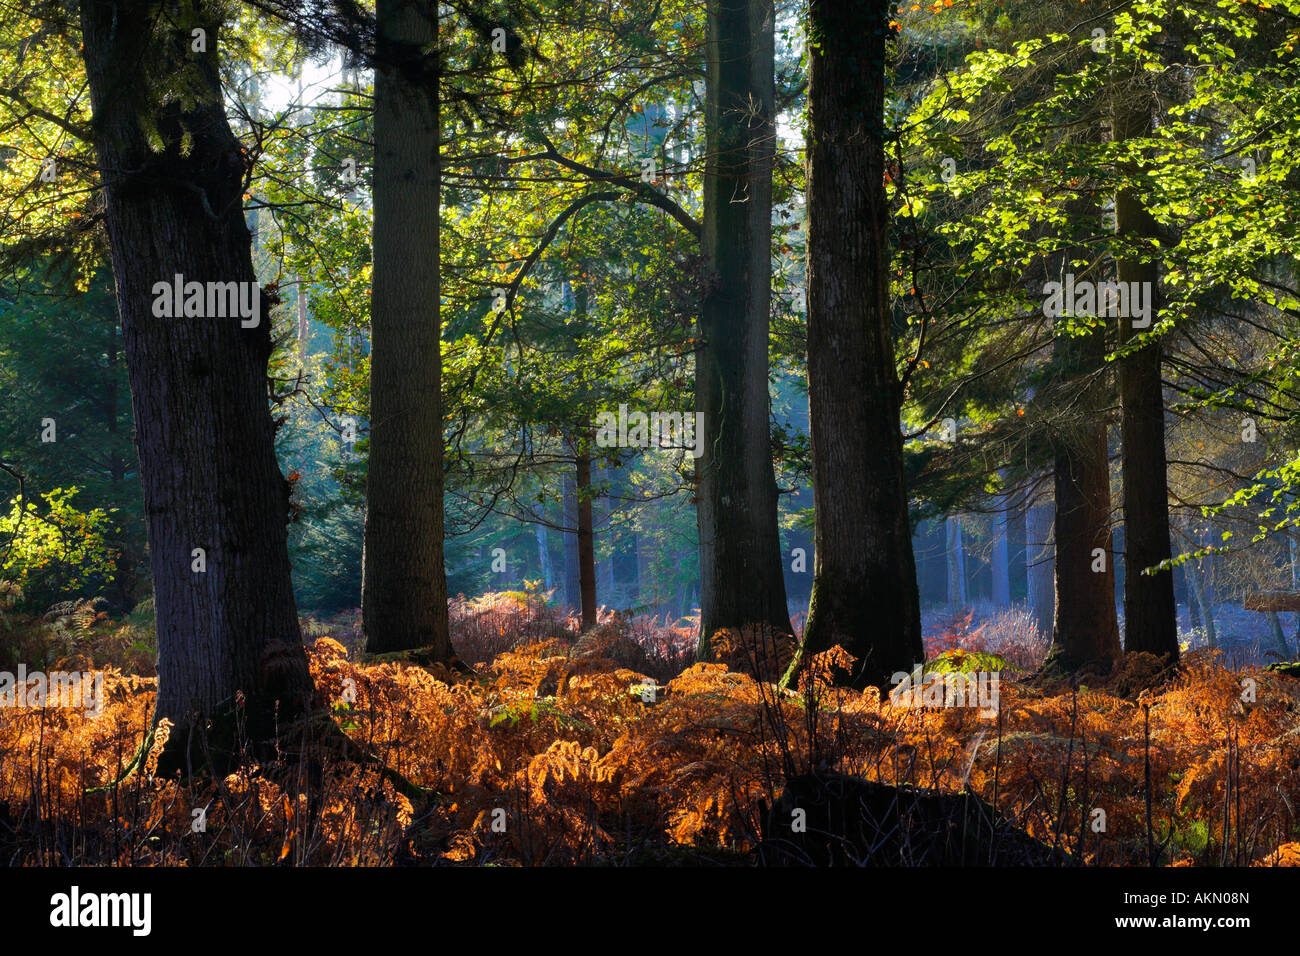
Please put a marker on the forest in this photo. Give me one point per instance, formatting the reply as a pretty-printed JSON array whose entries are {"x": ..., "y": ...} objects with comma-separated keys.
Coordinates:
[{"x": 694, "y": 433}]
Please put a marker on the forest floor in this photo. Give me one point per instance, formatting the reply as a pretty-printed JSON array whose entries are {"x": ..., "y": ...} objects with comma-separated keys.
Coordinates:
[{"x": 613, "y": 747}]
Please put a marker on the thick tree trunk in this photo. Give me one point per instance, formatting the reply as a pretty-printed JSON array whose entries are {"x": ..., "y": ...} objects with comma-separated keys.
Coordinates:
[
  {"x": 864, "y": 584},
  {"x": 122, "y": 591},
  {"x": 1086, "y": 629},
  {"x": 741, "y": 581},
  {"x": 1150, "y": 613},
  {"x": 226, "y": 620},
  {"x": 404, "y": 581}
]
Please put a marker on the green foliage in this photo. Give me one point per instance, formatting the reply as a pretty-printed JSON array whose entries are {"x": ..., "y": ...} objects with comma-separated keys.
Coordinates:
[
  {"x": 61, "y": 361},
  {"x": 1001, "y": 170},
  {"x": 964, "y": 662},
  {"x": 57, "y": 552}
]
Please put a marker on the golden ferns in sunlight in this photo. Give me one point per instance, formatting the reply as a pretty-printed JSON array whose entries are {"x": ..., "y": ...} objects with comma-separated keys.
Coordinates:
[{"x": 560, "y": 752}]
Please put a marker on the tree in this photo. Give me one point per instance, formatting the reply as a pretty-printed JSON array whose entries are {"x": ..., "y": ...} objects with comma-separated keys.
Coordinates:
[
  {"x": 741, "y": 580},
  {"x": 864, "y": 583},
  {"x": 955, "y": 552},
  {"x": 1085, "y": 629},
  {"x": 1150, "y": 615},
  {"x": 1040, "y": 558},
  {"x": 585, "y": 531},
  {"x": 404, "y": 583},
  {"x": 215, "y": 501}
]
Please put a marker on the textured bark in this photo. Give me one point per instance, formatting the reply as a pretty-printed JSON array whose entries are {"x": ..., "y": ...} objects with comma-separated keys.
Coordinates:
[
  {"x": 199, "y": 388},
  {"x": 1150, "y": 612},
  {"x": 1086, "y": 629},
  {"x": 122, "y": 591},
  {"x": 864, "y": 595},
  {"x": 404, "y": 581},
  {"x": 741, "y": 579}
]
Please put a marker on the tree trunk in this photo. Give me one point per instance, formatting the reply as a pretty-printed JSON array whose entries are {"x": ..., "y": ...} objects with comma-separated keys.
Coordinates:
[
  {"x": 864, "y": 593},
  {"x": 304, "y": 326},
  {"x": 1040, "y": 552},
  {"x": 602, "y": 513},
  {"x": 572, "y": 576},
  {"x": 544, "y": 557},
  {"x": 404, "y": 581},
  {"x": 586, "y": 538},
  {"x": 1279, "y": 638},
  {"x": 199, "y": 387},
  {"x": 1086, "y": 629},
  {"x": 1294, "y": 553},
  {"x": 741, "y": 580},
  {"x": 1150, "y": 612},
  {"x": 649, "y": 591},
  {"x": 1019, "y": 571},
  {"x": 955, "y": 551},
  {"x": 1000, "y": 557},
  {"x": 122, "y": 591},
  {"x": 1193, "y": 608},
  {"x": 1204, "y": 600}
]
